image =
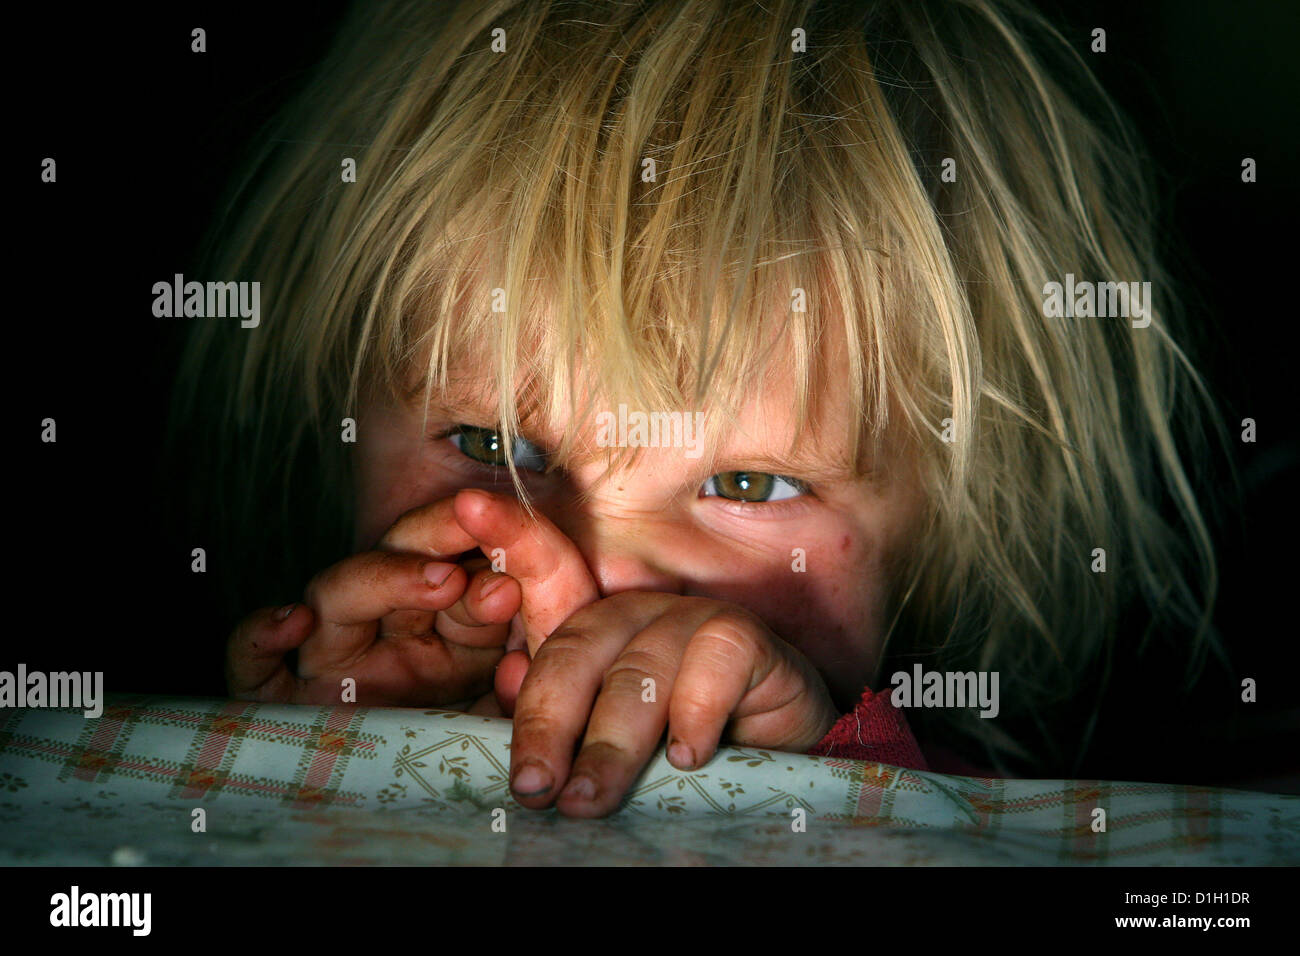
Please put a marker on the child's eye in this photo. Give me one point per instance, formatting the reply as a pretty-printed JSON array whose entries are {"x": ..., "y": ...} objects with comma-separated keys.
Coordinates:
[
  {"x": 486, "y": 446},
  {"x": 753, "y": 486}
]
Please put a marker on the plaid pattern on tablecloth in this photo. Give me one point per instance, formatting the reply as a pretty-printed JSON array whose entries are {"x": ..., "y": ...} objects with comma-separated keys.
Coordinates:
[
  {"x": 287, "y": 784},
  {"x": 192, "y": 749}
]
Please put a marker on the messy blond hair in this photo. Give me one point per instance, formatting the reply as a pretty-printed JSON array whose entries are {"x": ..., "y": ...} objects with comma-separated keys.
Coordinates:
[{"x": 819, "y": 170}]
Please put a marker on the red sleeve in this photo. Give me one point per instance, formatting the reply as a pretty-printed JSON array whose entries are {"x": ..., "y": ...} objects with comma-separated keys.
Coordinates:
[{"x": 875, "y": 730}]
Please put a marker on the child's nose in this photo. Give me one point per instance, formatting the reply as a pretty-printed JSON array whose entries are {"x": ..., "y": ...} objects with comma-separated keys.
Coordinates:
[
  {"x": 618, "y": 568},
  {"x": 625, "y": 555}
]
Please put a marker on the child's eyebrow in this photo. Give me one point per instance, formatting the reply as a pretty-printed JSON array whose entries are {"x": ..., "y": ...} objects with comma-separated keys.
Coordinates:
[{"x": 467, "y": 402}]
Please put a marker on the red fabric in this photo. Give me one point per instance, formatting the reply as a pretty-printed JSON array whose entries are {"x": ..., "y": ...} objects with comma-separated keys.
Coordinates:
[{"x": 874, "y": 730}]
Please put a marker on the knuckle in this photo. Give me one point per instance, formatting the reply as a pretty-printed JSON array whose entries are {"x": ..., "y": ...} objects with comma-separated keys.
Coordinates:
[
  {"x": 568, "y": 641},
  {"x": 374, "y": 571},
  {"x": 693, "y": 706},
  {"x": 566, "y": 656},
  {"x": 633, "y": 667},
  {"x": 532, "y": 724},
  {"x": 385, "y": 566},
  {"x": 606, "y": 750},
  {"x": 734, "y": 628},
  {"x": 585, "y": 619}
]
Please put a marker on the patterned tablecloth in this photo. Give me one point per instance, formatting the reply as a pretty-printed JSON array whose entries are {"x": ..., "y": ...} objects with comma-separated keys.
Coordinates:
[{"x": 185, "y": 781}]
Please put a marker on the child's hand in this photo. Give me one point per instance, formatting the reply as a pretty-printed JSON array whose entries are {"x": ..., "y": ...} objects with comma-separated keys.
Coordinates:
[
  {"x": 715, "y": 666},
  {"x": 377, "y": 618},
  {"x": 543, "y": 563},
  {"x": 371, "y": 618}
]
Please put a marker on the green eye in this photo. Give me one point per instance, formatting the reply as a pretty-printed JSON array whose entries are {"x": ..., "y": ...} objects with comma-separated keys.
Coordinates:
[
  {"x": 486, "y": 446},
  {"x": 753, "y": 486}
]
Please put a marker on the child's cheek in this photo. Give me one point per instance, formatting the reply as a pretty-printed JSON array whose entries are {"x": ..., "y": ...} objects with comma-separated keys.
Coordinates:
[
  {"x": 379, "y": 507},
  {"x": 393, "y": 478},
  {"x": 828, "y": 600}
]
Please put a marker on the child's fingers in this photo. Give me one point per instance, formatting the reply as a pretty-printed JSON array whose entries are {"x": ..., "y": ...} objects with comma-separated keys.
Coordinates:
[
  {"x": 350, "y": 597},
  {"x": 553, "y": 577},
  {"x": 737, "y": 676},
  {"x": 508, "y": 679},
  {"x": 722, "y": 662},
  {"x": 255, "y": 653},
  {"x": 481, "y": 618},
  {"x": 420, "y": 673},
  {"x": 555, "y": 701},
  {"x": 628, "y": 719},
  {"x": 430, "y": 530},
  {"x": 551, "y": 712}
]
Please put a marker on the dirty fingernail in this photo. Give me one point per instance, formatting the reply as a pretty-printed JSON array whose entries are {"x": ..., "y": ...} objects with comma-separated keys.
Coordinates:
[
  {"x": 580, "y": 788},
  {"x": 531, "y": 780},
  {"x": 681, "y": 756}
]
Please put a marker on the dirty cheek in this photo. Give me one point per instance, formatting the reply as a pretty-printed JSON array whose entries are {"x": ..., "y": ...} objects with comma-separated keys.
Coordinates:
[
  {"x": 389, "y": 485},
  {"x": 831, "y": 612}
]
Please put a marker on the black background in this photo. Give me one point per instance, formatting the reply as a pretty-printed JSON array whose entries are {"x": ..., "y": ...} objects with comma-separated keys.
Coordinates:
[{"x": 147, "y": 134}]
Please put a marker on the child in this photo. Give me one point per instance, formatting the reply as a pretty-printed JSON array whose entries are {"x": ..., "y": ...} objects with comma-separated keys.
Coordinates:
[{"x": 684, "y": 367}]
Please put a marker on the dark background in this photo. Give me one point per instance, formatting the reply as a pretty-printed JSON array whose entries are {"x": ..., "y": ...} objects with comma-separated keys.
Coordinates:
[{"x": 147, "y": 136}]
